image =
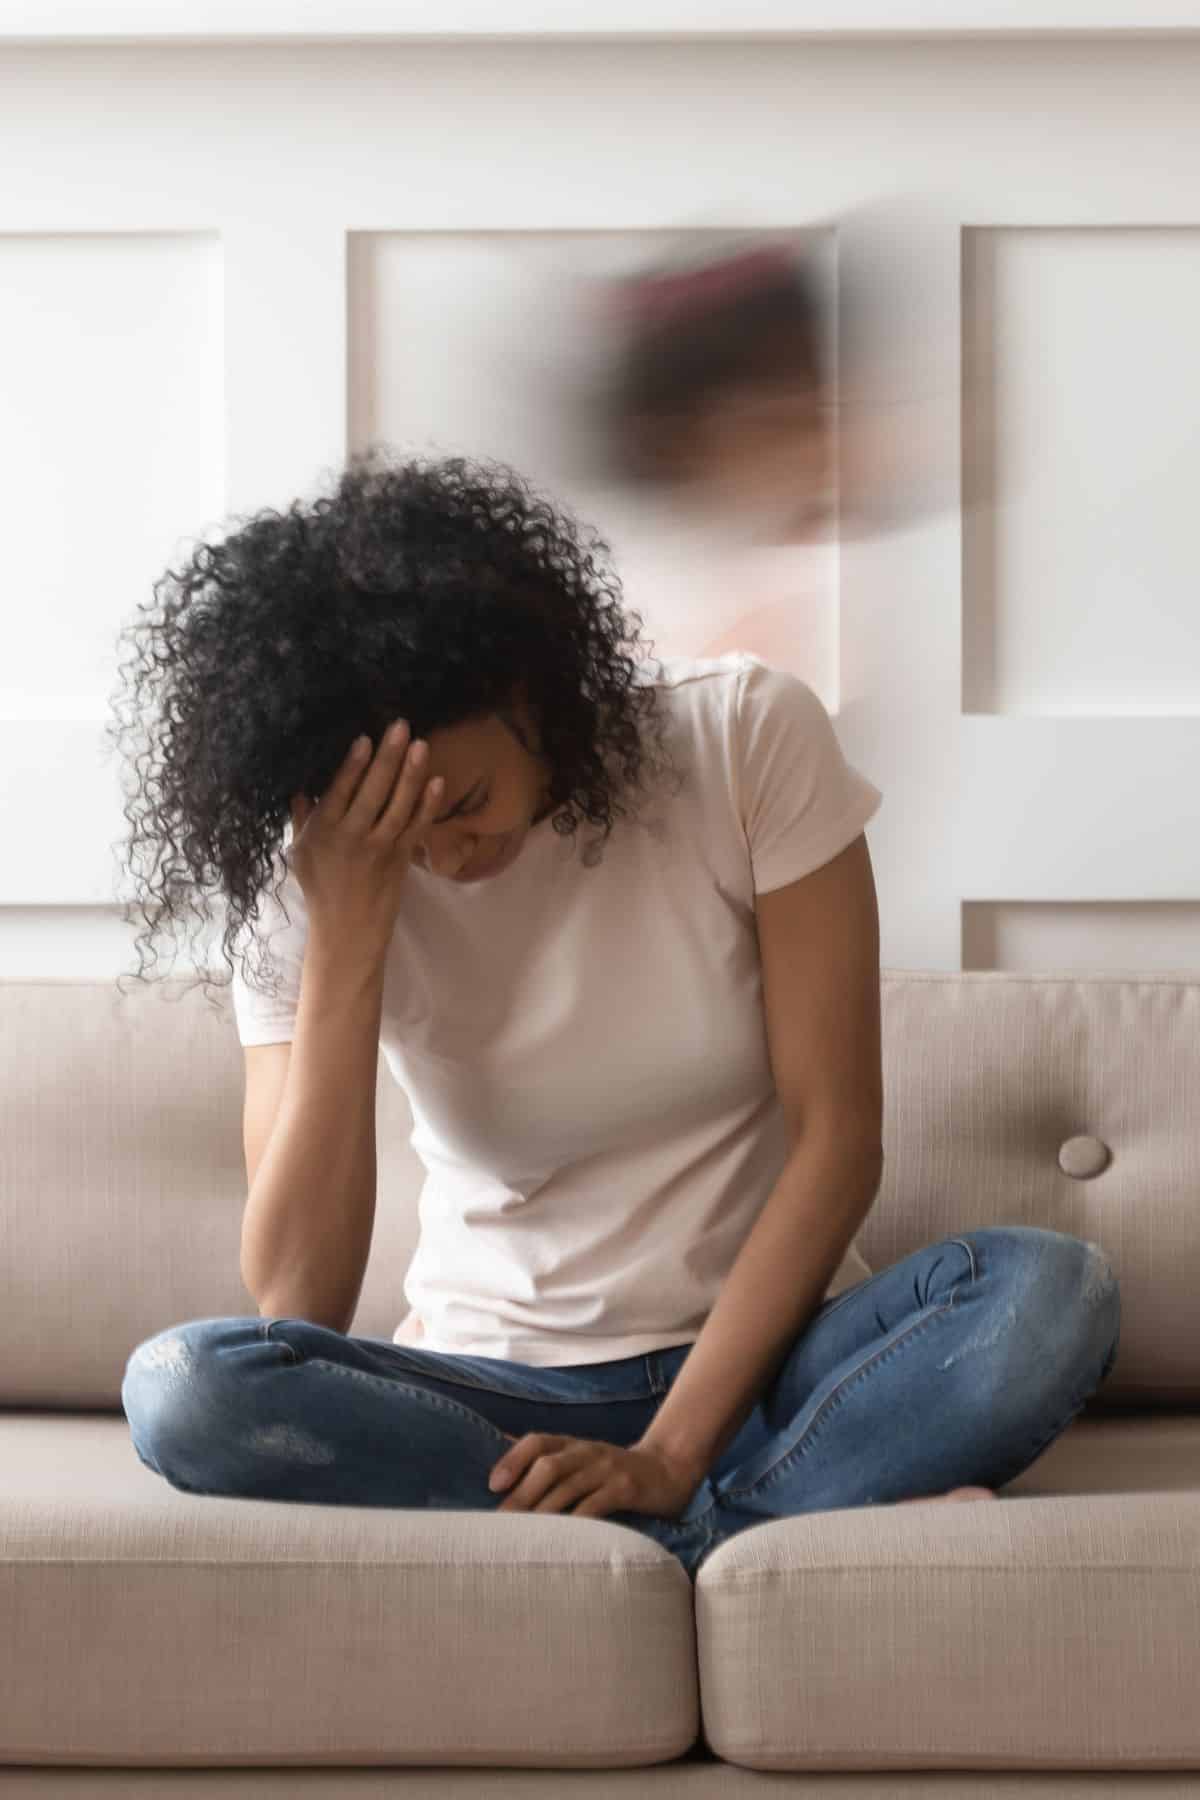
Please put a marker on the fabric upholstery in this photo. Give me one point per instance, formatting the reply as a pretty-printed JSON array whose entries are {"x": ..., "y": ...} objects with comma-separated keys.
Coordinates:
[
  {"x": 152, "y": 1635},
  {"x": 122, "y": 1124}
]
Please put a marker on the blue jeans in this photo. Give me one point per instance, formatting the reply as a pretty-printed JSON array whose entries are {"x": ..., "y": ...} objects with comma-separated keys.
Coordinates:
[{"x": 958, "y": 1364}]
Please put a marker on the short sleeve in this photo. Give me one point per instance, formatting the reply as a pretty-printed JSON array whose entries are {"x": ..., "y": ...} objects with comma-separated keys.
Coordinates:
[
  {"x": 801, "y": 802},
  {"x": 266, "y": 1018}
]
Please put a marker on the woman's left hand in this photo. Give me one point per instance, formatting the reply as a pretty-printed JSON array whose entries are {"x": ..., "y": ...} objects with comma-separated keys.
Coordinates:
[{"x": 552, "y": 1472}]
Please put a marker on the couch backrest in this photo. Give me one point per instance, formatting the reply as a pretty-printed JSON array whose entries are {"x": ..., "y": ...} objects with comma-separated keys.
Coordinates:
[{"x": 1068, "y": 1102}]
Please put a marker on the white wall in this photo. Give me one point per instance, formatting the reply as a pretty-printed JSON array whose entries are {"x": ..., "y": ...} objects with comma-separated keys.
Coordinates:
[{"x": 222, "y": 267}]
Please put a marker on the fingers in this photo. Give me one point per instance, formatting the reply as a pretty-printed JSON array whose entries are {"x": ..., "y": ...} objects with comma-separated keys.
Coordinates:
[
  {"x": 580, "y": 1484},
  {"x": 388, "y": 781},
  {"x": 402, "y": 816},
  {"x": 397, "y": 774},
  {"x": 556, "y": 1478},
  {"x": 336, "y": 798},
  {"x": 395, "y": 754}
]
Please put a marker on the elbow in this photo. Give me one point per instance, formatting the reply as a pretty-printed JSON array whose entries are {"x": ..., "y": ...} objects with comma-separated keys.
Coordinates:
[{"x": 845, "y": 1140}]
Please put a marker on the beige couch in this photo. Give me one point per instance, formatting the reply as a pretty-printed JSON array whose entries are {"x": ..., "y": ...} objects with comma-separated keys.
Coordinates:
[{"x": 155, "y": 1642}]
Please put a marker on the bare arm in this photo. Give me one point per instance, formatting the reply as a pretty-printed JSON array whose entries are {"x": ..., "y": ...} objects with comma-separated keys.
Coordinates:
[{"x": 306, "y": 1230}]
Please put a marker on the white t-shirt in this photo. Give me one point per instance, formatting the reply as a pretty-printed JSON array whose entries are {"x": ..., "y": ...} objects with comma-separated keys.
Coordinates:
[{"x": 584, "y": 1050}]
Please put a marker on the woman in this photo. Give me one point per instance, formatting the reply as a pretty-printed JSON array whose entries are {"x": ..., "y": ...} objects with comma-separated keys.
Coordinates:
[{"x": 645, "y": 1079}]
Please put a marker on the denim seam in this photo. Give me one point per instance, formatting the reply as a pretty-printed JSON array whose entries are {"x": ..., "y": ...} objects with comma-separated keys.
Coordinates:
[
  {"x": 459, "y": 1378},
  {"x": 517, "y": 1392},
  {"x": 538, "y": 1399},
  {"x": 778, "y": 1469},
  {"x": 785, "y": 1462},
  {"x": 789, "y": 1457},
  {"x": 438, "y": 1401},
  {"x": 264, "y": 1332},
  {"x": 454, "y": 1378},
  {"x": 857, "y": 1287},
  {"x": 970, "y": 1250}
]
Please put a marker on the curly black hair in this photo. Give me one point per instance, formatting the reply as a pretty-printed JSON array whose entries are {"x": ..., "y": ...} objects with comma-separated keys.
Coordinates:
[{"x": 429, "y": 589}]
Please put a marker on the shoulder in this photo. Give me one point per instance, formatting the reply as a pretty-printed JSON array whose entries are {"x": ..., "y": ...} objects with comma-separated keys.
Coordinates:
[
  {"x": 675, "y": 672},
  {"x": 701, "y": 693},
  {"x": 738, "y": 695}
]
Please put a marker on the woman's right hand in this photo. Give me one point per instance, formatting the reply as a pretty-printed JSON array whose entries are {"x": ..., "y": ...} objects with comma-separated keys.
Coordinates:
[{"x": 351, "y": 849}]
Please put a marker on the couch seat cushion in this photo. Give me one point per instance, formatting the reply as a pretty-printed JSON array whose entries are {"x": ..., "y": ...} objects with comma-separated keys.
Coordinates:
[
  {"x": 144, "y": 1625},
  {"x": 1056, "y": 1627}
]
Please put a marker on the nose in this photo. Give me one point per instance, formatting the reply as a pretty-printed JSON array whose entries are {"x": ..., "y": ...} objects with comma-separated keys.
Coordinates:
[{"x": 423, "y": 856}]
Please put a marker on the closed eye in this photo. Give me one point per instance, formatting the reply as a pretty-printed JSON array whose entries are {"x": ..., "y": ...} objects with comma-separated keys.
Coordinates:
[{"x": 463, "y": 808}]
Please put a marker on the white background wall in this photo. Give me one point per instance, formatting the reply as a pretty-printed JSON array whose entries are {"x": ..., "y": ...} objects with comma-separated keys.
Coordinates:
[{"x": 223, "y": 266}]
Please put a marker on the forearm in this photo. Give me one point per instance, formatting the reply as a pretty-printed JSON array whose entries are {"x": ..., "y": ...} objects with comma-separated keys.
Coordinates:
[
  {"x": 306, "y": 1231},
  {"x": 777, "y": 1282}
]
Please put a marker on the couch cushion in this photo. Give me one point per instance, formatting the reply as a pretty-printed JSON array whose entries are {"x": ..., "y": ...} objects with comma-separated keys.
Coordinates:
[
  {"x": 1009, "y": 1099},
  {"x": 1055, "y": 1627},
  {"x": 145, "y": 1625}
]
